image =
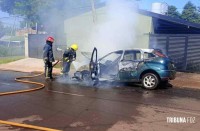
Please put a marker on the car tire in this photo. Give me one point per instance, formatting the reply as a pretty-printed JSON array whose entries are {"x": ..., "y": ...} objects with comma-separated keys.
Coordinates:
[
  {"x": 150, "y": 81},
  {"x": 164, "y": 83},
  {"x": 85, "y": 75}
]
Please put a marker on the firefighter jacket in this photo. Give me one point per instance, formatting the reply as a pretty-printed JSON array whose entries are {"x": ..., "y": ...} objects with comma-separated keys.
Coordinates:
[
  {"x": 48, "y": 52},
  {"x": 69, "y": 55}
]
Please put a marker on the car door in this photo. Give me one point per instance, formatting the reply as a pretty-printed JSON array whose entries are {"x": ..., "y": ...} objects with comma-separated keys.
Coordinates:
[
  {"x": 128, "y": 64},
  {"x": 108, "y": 65}
]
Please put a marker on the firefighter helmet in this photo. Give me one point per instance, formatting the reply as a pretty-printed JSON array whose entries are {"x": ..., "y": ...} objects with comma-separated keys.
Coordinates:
[
  {"x": 74, "y": 47},
  {"x": 50, "y": 38}
]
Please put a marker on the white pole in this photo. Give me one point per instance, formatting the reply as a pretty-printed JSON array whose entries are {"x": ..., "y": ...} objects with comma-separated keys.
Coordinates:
[
  {"x": 12, "y": 32},
  {"x": 36, "y": 27},
  {"x": 93, "y": 11}
]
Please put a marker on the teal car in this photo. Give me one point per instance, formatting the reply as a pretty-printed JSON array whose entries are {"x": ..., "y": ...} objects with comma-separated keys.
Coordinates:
[{"x": 147, "y": 66}]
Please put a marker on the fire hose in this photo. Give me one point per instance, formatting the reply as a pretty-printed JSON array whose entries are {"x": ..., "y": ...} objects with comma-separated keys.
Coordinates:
[
  {"x": 41, "y": 86},
  {"x": 18, "y": 79}
]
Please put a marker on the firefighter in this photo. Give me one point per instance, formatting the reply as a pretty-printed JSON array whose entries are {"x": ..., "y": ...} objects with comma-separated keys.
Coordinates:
[
  {"x": 69, "y": 56},
  {"x": 48, "y": 57}
]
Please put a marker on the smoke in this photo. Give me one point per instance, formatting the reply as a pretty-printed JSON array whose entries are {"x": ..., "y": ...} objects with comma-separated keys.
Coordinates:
[
  {"x": 114, "y": 31},
  {"x": 118, "y": 29},
  {"x": 50, "y": 24},
  {"x": 114, "y": 28}
]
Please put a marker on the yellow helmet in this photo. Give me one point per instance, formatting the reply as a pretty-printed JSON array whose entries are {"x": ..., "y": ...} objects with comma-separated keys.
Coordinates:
[{"x": 74, "y": 47}]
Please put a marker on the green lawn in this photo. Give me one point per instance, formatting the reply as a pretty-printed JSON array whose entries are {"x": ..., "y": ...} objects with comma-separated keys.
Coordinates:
[{"x": 4, "y": 60}]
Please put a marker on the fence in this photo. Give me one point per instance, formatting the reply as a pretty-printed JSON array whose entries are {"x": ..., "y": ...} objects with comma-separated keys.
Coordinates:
[
  {"x": 184, "y": 50},
  {"x": 12, "y": 50}
]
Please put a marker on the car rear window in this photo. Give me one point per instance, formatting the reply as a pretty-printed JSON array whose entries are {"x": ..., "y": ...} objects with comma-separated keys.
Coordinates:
[
  {"x": 148, "y": 55},
  {"x": 132, "y": 55}
]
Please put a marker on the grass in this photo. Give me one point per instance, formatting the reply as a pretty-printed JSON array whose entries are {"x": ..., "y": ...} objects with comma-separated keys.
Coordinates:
[{"x": 4, "y": 60}]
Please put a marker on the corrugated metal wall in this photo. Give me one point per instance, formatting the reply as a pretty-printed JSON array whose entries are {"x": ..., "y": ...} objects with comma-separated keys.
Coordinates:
[
  {"x": 184, "y": 50},
  {"x": 193, "y": 53}
]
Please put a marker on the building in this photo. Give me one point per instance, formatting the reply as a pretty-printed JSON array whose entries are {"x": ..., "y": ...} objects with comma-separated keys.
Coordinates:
[
  {"x": 179, "y": 39},
  {"x": 23, "y": 32}
]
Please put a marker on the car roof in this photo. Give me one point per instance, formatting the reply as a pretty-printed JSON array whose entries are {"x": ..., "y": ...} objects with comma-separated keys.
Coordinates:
[{"x": 143, "y": 50}]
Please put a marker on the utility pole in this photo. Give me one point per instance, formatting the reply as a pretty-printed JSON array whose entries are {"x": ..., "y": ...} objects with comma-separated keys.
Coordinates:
[
  {"x": 36, "y": 27},
  {"x": 93, "y": 11},
  {"x": 12, "y": 32}
]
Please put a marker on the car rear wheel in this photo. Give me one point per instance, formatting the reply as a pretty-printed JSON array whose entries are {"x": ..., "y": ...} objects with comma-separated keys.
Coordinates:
[{"x": 150, "y": 81}]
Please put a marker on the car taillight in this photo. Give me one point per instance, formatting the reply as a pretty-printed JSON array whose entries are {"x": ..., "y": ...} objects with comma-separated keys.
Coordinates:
[{"x": 159, "y": 54}]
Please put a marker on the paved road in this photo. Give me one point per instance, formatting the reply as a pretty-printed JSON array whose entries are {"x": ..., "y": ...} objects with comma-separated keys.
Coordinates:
[{"x": 113, "y": 107}]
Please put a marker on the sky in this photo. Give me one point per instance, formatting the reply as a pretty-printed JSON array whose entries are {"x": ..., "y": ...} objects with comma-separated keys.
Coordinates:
[{"x": 143, "y": 4}]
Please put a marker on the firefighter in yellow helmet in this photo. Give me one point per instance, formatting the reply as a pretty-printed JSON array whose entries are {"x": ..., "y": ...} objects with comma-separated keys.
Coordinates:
[{"x": 69, "y": 56}]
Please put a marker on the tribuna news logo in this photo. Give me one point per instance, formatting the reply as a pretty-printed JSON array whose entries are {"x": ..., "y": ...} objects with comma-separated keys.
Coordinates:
[{"x": 180, "y": 120}]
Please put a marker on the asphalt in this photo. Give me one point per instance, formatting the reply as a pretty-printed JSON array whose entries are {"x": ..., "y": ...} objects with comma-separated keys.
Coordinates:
[
  {"x": 110, "y": 106},
  {"x": 67, "y": 105},
  {"x": 182, "y": 80}
]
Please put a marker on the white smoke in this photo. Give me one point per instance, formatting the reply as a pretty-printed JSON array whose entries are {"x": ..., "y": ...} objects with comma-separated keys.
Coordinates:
[{"x": 118, "y": 29}]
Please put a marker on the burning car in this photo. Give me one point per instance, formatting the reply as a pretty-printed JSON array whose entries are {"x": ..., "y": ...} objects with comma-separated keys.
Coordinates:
[{"x": 147, "y": 66}]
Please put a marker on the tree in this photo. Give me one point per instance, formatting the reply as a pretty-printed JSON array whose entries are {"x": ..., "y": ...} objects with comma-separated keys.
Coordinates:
[
  {"x": 7, "y": 30},
  {"x": 4, "y": 30},
  {"x": 27, "y": 8},
  {"x": 48, "y": 14},
  {"x": 7, "y": 6},
  {"x": 190, "y": 13},
  {"x": 172, "y": 11},
  {"x": 45, "y": 12},
  {"x": 1, "y": 29}
]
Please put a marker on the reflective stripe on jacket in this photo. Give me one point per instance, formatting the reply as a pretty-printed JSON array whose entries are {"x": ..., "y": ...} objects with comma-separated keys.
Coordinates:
[{"x": 69, "y": 55}]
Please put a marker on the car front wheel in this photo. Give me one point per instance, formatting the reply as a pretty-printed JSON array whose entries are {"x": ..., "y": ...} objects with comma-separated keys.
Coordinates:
[{"x": 150, "y": 81}]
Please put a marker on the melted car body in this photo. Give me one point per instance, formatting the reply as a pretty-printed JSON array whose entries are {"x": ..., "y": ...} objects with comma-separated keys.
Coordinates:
[{"x": 148, "y": 66}]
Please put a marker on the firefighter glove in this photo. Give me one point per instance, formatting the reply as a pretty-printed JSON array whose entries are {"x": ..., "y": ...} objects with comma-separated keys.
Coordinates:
[
  {"x": 52, "y": 61},
  {"x": 45, "y": 59},
  {"x": 66, "y": 59}
]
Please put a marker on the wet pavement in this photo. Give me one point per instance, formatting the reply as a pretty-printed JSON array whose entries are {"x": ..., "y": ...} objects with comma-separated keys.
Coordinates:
[{"x": 108, "y": 106}]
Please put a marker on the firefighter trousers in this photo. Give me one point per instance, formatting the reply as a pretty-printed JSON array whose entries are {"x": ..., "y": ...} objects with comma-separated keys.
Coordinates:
[
  {"x": 66, "y": 67},
  {"x": 48, "y": 69}
]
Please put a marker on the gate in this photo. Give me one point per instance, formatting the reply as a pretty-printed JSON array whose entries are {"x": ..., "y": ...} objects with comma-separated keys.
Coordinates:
[
  {"x": 184, "y": 50},
  {"x": 36, "y": 43}
]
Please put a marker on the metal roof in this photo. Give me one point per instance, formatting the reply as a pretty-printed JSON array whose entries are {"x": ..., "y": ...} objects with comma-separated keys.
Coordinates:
[{"x": 163, "y": 24}]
